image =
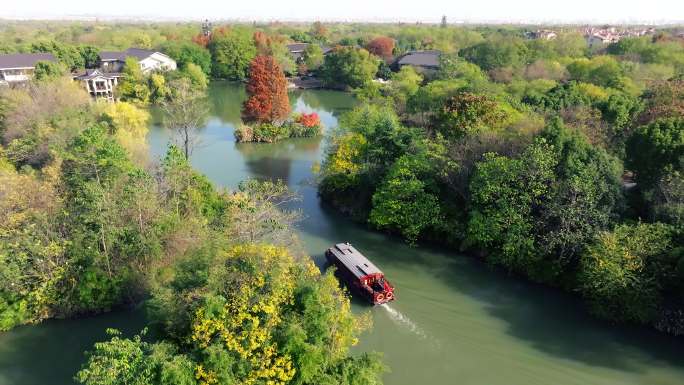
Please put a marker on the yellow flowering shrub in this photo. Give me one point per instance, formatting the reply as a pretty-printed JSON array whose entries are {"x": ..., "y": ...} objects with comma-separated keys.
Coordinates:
[{"x": 257, "y": 284}]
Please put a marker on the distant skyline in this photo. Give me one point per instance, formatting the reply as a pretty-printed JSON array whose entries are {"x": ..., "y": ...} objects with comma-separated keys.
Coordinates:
[{"x": 520, "y": 11}]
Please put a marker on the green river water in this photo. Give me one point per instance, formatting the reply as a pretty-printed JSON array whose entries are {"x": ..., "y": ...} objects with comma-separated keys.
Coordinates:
[{"x": 455, "y": 321}]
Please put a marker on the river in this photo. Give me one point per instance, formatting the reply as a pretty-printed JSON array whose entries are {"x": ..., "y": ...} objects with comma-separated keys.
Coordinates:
[{"x": 456, "y": 321}]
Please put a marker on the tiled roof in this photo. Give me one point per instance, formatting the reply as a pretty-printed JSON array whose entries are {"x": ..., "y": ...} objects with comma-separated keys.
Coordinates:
[
  {"x": 300, "y": 47},
  {"x": 24, "y": 60},
  {"x": 92, "y": 74},
  {"x": 137, "y": 53},
  {"x": 420, "y": 58}
]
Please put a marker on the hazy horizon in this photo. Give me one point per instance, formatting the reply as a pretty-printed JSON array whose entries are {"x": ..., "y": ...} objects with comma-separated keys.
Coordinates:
[{"x": 426, "y": 11}]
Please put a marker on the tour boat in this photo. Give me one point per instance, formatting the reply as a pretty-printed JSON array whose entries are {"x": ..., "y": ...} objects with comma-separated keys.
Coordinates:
[{"x": 359, "y": 274}]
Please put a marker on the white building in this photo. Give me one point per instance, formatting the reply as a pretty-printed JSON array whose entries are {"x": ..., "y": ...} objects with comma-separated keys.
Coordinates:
[
  {"x": 98, "y": 84},
  {"x": 113, "y": 61},
  {"x": 19, "y": 67}
]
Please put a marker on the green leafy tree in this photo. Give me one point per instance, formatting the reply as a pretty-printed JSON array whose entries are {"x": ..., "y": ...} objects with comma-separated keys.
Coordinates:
[
  {"x": 496, "y": 52},
  {"x": 349, "y": 67},
  {"x": 313, "y": 57},
  {"x": 466, "y": 114},
  {"x": 585, "y": 198},
  {"x": 47, "y": 70},
  {"x": 156, "y": 84},
  {"x": 185, "y": 111},
  {"x": 404, "y": 85},
  {"x": 185, "y": 53},
  {"x": 90, "y": 55},
  {"x": 197, "y": 77},
  {"x": 622, "y": 274},
  {"x": 66, "y": 54},
  {"x": 504, "y": 194},
  {"x": 655, "y": 149},
  {"x": 122, "y": 361},
  {"x": 133, "y": 86},
  {"x": 32, "y": 250},
  {"x": 231, "y": 55},
  {"x": 406, "y": 199},
  {"x": 111, "y": 206}
]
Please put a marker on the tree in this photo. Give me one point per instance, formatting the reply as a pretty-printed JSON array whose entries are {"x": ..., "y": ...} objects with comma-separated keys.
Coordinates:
[
  {"x": 133, "y": 86},
  {"x": 267, "y": 89},
  {"x": 185, "y": 53},
  {"x": 90, "y": 55},
  {"x": 111, "y": 207},
  {"x": 258, "y": 213},
  {"x": 47, "y": 70},
  {"x": 129, "y": 125},
  {"x": 620, "y": 111},
  {"x": 184, "y": 112},
  {"x": 466, "y": 114},
  {"x": 197, "y": 77},
  {"x": 621, "y": 274},
  {"x": 405, "y": 201},
  {"x": 39, "y": 120},
  {"x": 381, "y": 47},
  {"x": 453, "y": 67},
  {"x": 156, "y": 84},
  {"x": 68, "y": 55},
  {"x": 663, "y": 100},
  {"x": 404, "y": 85},
  {"x": 349, "y": 66},
  {"x": 122, "y": 361},
  {"x": 655, "y": 149},
  {"x": 231, "y": 55},
  {"x": 319, "y": 32},
  {"x": 496, "y": 52},
  {"x": 32, "y": 250},
  {"x": 313, "y": 56},
  {"x": 585, "y": 198},
  {"x": 504, "y": 193}
]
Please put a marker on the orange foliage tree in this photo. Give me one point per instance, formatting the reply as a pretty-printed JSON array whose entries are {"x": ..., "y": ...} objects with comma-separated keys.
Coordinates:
[
  {"x": 381, "y": 47},
  {"x": 262, "y": 42},
  {"x": 267, "y": 90}
]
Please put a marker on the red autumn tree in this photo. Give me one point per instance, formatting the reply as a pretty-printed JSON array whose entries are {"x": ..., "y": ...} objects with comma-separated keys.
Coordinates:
[
  {"x": 381, "y": 47},
  {"x": 262, "y": 42},
  {"x": 201, "y": 40},
  {"x": 267, "y": 90}
]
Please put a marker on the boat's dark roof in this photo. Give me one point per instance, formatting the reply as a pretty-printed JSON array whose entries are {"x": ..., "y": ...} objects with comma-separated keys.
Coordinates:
[{"x": 356, "y": 262}]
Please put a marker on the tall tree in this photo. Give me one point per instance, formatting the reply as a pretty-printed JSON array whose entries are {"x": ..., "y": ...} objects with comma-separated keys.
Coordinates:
[
  {"x": 267, "y": 90},
  {"x": 185, "y": 111},
  {"x": 349, "y": 66},
  {"x": 231, "y": 55},
  {"x": 381, "y": 47},
  {"x": 133, "y": 87}
]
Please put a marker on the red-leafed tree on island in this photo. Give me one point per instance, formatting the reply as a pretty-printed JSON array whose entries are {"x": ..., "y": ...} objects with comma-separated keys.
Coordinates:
[{"x": 267, "y": 90}]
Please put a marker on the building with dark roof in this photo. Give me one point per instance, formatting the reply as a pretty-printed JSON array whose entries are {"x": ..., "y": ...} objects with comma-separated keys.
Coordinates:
[
  {"x": 426, "y": 62},
  {"x": 297, "y": 50},
  {"x": 99, "y": 84},
  {"x": 19, "y": 67},
  {"x": 113, "y": 61}
]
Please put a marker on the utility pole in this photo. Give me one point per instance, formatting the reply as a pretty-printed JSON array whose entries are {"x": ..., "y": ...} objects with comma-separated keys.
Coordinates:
[{"x": 444, "y": 22}]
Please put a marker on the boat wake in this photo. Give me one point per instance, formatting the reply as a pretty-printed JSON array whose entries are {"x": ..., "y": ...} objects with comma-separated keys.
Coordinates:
[{"x": 403, "y": 320}]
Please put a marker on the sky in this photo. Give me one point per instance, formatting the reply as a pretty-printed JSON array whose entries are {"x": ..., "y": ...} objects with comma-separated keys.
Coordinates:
[{"x": 608, "y": 11}]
